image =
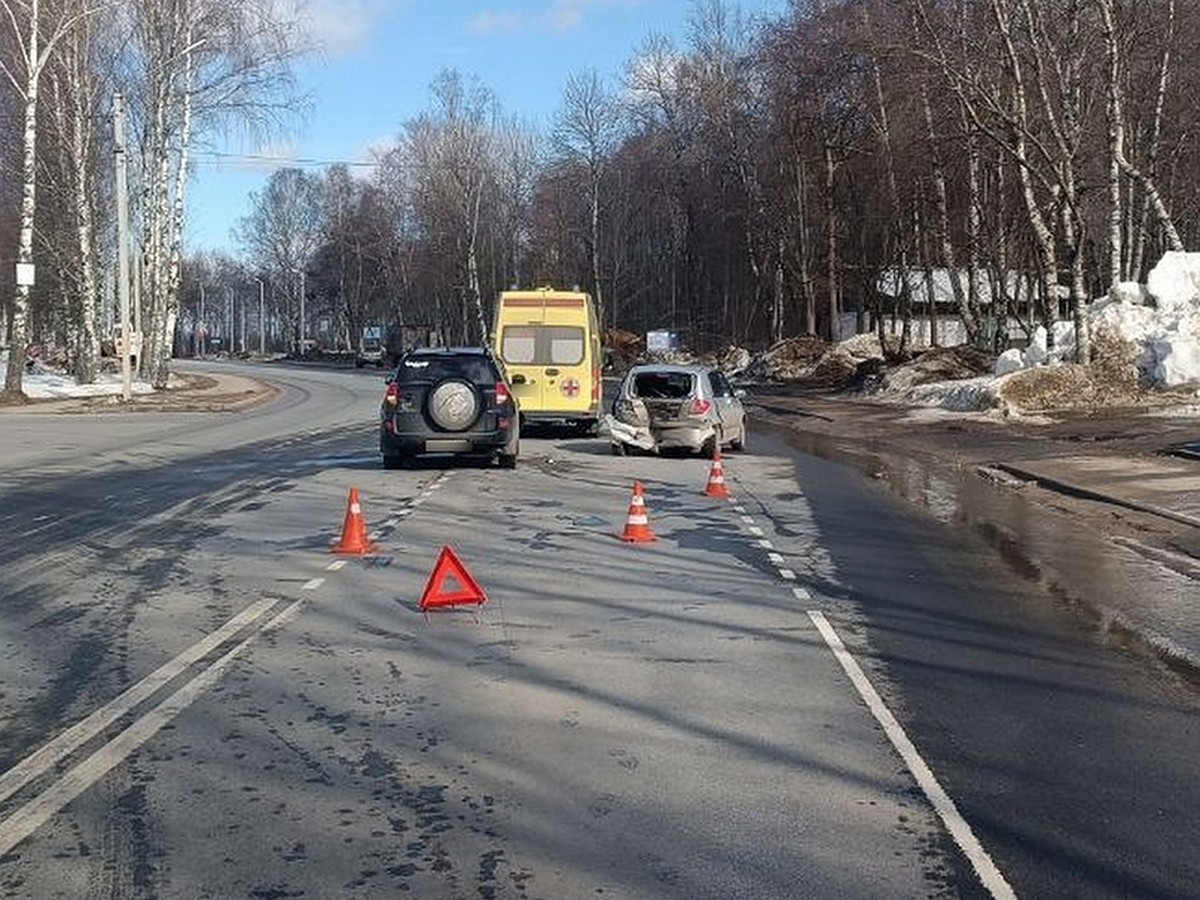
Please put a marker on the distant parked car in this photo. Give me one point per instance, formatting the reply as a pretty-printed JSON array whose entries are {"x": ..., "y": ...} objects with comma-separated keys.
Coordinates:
[
  {"x": 371, "y": 350},
  {"x": 677, "y": 407},
  {"x": 449, "y": 400}
]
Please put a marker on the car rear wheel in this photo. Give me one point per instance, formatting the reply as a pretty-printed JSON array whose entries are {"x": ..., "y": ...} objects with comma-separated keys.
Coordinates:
[
  {"x": 709, "y": 448},
  {"x": 739, "y": 443},
  {"x": 454, "y": 405}
]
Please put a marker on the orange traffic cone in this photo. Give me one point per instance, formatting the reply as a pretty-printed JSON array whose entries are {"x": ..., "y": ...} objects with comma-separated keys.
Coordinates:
[
  {"x": 354, "y": 530},
  {"x": 716, "y": 478},
  {"x": 637, "y": 523}
]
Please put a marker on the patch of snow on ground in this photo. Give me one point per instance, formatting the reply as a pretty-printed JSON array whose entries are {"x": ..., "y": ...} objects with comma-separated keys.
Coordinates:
[
  {"x": 44, "y": 384},
  {"x": 961, "y": 395}
]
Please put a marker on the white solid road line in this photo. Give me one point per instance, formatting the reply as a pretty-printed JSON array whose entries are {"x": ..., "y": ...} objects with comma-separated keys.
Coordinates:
[
  {"x": 989, "y": 875},
  {"x": 30, "y": 817},
  {"x": 48, "y": 756}
]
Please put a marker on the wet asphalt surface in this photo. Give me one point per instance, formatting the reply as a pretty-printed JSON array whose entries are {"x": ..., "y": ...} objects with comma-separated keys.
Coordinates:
[{"x": 654, "y": 721}]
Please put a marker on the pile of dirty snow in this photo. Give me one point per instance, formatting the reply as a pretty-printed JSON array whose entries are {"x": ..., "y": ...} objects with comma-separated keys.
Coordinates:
[
  {"x": 1143, "y": 337},
  {"x": 787, "y": 360},
  {"x": 1160, "y": 320}
]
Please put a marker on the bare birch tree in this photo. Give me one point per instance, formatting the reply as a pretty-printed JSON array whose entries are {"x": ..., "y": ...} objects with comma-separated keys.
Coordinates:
[
  {"x": 282, "y": 233},
  {"x": 77, "y": 90},
  {"x": 720, "y": 62},
  {"x": 201, "y": 64},
  {"x": 517, "y": 161},
  {"x": 452, "y": 149},
  {"x": 1120, "y": 163},
  {"x": 37, "y": 28},
  {"x": 586, "y": 132}
]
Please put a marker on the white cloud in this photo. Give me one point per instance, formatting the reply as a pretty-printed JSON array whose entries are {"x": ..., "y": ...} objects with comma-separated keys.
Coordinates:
[
  {"x": 495, "y": 23},
  {"x": 566, "y": 15},
  {"x": 559, "y": 16},
  {"x": 339, "y": 27}
]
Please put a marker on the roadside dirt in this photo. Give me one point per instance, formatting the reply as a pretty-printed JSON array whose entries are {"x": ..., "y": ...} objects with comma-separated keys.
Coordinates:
[{"x": 191, "y": 393}]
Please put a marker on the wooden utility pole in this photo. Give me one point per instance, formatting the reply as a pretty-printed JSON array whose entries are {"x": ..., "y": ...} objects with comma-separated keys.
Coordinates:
[{"x": 123, "y": 246}]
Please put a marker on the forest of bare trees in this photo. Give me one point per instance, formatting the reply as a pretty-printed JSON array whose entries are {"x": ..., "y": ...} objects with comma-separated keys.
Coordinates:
[
  {"x": 185, "y": 69},
  {"x": 751, "y": 182}
]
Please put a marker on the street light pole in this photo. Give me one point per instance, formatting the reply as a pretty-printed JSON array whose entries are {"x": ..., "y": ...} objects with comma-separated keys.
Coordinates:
[
  {"x": 302, "y": 347},
  {"x": 203, "y": 326},
  {"x": 262, "y": 321}
]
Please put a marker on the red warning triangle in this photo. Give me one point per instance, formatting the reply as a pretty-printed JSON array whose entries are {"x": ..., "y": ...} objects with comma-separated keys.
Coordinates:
[{"x": 448, "y": 566}]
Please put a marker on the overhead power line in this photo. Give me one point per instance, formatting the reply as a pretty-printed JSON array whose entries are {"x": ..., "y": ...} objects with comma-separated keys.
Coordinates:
[{"x": 216, "y": 156}]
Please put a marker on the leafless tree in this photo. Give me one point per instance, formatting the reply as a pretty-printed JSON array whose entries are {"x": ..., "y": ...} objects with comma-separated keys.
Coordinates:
[
  {"x": 586, "y": 132},
  {"x": 198, "y": 65},
  {"x": 1120, "y": 164},
  {"x": 81, "y": 183},
  {"x": 281, "y": 235},
  {"x": 518, "y": 160},
  {"x": 453, "y": 150},
  {"x": 37, "y": 27}
]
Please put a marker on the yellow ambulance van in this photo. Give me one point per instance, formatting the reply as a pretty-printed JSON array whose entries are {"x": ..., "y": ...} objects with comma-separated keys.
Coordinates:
[{"x": 549, "y": 342}]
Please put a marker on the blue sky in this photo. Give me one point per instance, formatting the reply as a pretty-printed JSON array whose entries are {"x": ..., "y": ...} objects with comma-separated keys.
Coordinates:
[{"x": 379, "y": 57}]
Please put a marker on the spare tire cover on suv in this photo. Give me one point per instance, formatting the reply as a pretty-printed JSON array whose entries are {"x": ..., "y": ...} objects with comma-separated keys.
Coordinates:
[{"x": 454, "y": 405}]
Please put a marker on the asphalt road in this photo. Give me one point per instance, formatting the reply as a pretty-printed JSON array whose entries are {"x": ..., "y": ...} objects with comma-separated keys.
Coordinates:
[{"x": 814, "y": 690}]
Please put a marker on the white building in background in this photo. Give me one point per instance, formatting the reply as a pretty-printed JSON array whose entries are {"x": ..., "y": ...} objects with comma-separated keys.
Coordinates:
[{"x": 889, "y": 288}]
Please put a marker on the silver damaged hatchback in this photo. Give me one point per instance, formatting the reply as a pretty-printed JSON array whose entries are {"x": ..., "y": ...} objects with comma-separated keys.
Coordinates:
[{"x": 685, "y": 408}]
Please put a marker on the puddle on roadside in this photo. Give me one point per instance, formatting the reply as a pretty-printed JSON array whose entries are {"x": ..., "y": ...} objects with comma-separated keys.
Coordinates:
[{"x": 1080, "y": 568}]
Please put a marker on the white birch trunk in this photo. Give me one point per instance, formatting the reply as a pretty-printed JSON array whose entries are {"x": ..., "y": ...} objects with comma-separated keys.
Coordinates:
[
  {"x": 19, "y": 326},
  {"x": 1116, "y": 141},
  {"x": 831, "y": 262},
  {"x": 1043, "y": 235},
  {"x": 164, "y": 338},
  {"x": 1118, "y": 149},
  {"x": 949, "y": 257},
  {"x": 807, "y": 291},
  {"x": 1137, "y": 255}
]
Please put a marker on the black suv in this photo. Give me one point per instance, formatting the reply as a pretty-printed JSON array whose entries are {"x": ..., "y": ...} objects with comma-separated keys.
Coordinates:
[{"x": 448, "y": 400}]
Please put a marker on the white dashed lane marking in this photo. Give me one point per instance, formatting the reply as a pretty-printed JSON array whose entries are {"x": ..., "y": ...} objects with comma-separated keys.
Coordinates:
[
  {"x": 989, "y": 875},
  {"x": 964, "y": 837}
]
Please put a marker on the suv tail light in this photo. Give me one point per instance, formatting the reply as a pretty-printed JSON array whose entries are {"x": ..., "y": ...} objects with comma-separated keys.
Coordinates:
[
  {"x": 501, "y": 393},
  {"x": 392, "y": 395},
  {"x": 699, "y": 407}
]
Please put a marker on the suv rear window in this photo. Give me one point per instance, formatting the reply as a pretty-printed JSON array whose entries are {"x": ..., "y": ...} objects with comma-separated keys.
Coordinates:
[
  {"x": 662, "y": 385},
  {"x": 476, "y": 369}
]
